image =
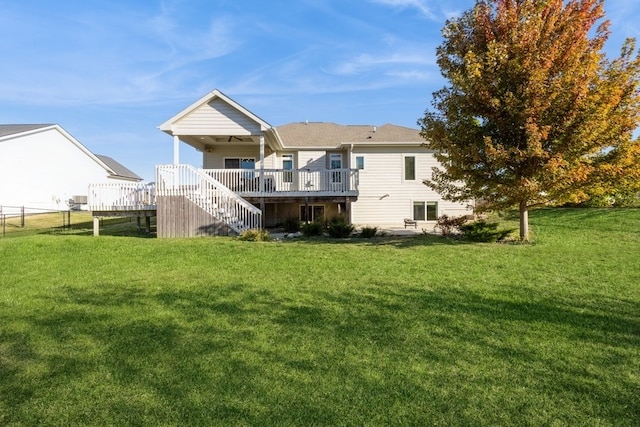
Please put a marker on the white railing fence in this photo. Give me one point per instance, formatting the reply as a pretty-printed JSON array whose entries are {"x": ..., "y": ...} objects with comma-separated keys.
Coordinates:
[
  {"x": 122, "y": 196},
  {"x": 256, "y": 182},
  {"x": 209, "y": 194}
]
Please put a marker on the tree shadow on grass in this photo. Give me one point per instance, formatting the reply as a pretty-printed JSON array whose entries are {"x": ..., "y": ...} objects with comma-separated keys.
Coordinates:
[{"x": 117, "y": 354}]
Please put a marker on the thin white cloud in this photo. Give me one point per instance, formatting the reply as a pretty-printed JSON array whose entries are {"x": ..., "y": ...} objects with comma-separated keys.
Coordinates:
[
  {"x": 365, "y": 62},
  {"x": 420, "y": 5}
]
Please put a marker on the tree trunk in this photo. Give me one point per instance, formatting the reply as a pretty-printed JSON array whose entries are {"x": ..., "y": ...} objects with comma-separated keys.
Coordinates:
[{"x": 524, "y": 221}]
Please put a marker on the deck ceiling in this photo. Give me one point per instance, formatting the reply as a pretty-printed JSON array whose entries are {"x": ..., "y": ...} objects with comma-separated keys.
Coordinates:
[{"x": 201, "y": 141}]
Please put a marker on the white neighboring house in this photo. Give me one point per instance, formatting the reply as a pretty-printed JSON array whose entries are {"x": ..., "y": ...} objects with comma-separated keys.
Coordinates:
[
  {"x": 257, "y": 175},
  {"x": 43, "y": 167}
]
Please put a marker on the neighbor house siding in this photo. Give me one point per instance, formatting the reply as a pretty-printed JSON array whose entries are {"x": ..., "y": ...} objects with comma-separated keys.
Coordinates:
[
  {"x": 385, "y": 197},
  {"x": 216, "y": 118},
  {"x": 56, "y": 170}
]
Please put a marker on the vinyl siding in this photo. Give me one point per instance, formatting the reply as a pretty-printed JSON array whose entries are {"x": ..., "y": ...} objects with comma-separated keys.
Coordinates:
[
  {"x": 313, "y": 160},
  {"x": 386, "y": 198},
  {"x": 216, "y": 118}
]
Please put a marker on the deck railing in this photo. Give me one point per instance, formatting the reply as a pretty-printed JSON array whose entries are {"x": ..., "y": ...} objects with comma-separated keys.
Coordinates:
[
  {"x": 122, "y": 196},
  {"x": 211, "y": 195},
  {"x": 294, "y": 182}
]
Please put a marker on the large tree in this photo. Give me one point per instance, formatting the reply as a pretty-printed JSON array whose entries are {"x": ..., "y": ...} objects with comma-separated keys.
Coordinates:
[{"x": 534, "y": 111}]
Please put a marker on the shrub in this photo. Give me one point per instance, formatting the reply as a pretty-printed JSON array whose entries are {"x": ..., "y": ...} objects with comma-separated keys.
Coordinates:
[
  {"x": 311, "y": 229},
  {"x": 368, "y": 232},
  {"x": 291, "y": 225},
  {"x": 449, "y": 225},
  {"x": 339, "y": 228},
  {"x": 255, "y": 235},
  {"x": 482, "y": 231}
]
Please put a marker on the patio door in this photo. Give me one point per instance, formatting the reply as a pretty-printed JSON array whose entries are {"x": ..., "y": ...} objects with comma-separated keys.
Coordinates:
[
  {"x": 240, "y": 180},
  {"x": 312, "y": 213},
  {"x": 335, "y": 177}
]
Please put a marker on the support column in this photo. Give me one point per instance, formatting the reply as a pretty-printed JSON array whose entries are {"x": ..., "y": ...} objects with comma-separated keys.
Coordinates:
[
  {"x": 261, "y": 181},
  {"x": 176, "y": 150},
  {"x": 96, "y": 225}
]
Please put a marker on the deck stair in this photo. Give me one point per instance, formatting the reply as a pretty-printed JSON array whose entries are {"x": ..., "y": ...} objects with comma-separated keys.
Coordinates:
[{"x": 209, "y": 194}]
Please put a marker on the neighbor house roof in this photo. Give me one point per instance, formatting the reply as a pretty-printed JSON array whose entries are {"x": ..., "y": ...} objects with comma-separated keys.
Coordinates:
[
  {"x": 118, "y": 168},
  {"x": 332, "y": 135},
  {"x": 7, "y": 130}
]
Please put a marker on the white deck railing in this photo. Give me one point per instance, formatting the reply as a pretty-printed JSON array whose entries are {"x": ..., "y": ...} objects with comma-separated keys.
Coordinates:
[
  {"x": 122, "y": 196},
  {"x": 211, "y": 195},
  {"x": 295, "y": 182}
]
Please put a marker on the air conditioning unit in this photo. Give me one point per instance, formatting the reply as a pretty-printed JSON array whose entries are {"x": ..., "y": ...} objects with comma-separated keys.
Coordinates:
[{"x": 79, "y": 200}]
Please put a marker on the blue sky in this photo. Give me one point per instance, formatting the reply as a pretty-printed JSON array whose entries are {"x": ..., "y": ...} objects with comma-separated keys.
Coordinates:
[{"x": 109, "y": 72}]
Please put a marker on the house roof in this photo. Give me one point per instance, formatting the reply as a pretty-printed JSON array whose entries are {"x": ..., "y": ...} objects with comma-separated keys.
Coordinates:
[
  {"x": 120, "y": 170},
  {"x": 332, "y": 135},
  {"x": 7, "y": 130}
]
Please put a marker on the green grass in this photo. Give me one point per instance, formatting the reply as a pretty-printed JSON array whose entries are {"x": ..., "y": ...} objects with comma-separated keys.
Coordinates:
[
  {"x": 385, "y": 331},
  {"x": 65, "y": 222}
]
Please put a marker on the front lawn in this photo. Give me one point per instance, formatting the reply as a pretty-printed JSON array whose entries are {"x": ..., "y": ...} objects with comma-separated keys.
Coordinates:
[{"x": 395, "y": 331}]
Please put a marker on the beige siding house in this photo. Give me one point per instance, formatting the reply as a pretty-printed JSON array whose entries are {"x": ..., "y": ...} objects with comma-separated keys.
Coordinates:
[{"x": 258, "y": 175}]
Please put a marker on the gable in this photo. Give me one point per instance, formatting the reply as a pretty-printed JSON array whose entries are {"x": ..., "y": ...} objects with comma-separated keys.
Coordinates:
[
  {"x": 216, "y": 118},
  {"x": 215, "y": 115}
]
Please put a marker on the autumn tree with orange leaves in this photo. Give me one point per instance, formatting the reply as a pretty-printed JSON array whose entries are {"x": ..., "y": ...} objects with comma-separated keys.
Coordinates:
[{"x": 534, "y": 112}]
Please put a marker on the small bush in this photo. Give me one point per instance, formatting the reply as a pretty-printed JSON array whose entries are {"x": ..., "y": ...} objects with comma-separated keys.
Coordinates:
[
  {"x": 311, "y": 229},
  {"x": 450, "y": 225},
  {"x": 482, "y": 231},
  {"x": 368, "y": 232},
  {"x": 291, "y": 225},
  {"x": 339, "y": 228},
  {"x": 255, "y": 235}
]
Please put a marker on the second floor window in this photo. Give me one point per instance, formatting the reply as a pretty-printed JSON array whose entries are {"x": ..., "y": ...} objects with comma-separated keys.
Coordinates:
[{"x": 409, "y": 168}]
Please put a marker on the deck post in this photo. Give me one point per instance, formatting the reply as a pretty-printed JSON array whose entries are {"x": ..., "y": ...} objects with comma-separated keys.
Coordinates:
[
  {"x": 261, "y": 181},
  {"x": 176, "y": 147},
  {"x": 96, "y": 225}
]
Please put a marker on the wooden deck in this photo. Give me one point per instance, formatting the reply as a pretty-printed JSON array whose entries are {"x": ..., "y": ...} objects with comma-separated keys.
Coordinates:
[{"x": 189, "y": 202}]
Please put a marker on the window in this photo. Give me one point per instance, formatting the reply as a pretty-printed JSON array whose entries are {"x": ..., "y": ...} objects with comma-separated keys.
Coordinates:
[
  {"x": 287, "y": 166},
  {"x": 359, "y": 162},
  {"x": 312, "y": 213},
  {"x": 425, "y": 211},
  {"x": 232, "y": 163},
  {"x": 419, "y": 213},
  {"x": 409, "y": 168},
  {"x": 432, "y": 211}
]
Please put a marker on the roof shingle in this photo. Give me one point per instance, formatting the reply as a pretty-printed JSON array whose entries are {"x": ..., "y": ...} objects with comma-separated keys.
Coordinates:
[{"x": 332, "y": 135}]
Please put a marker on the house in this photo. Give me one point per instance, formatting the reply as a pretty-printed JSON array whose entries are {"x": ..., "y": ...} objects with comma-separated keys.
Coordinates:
[
  {"x": 258, "y": 175},
  {"x": 43, "y": 167}
]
